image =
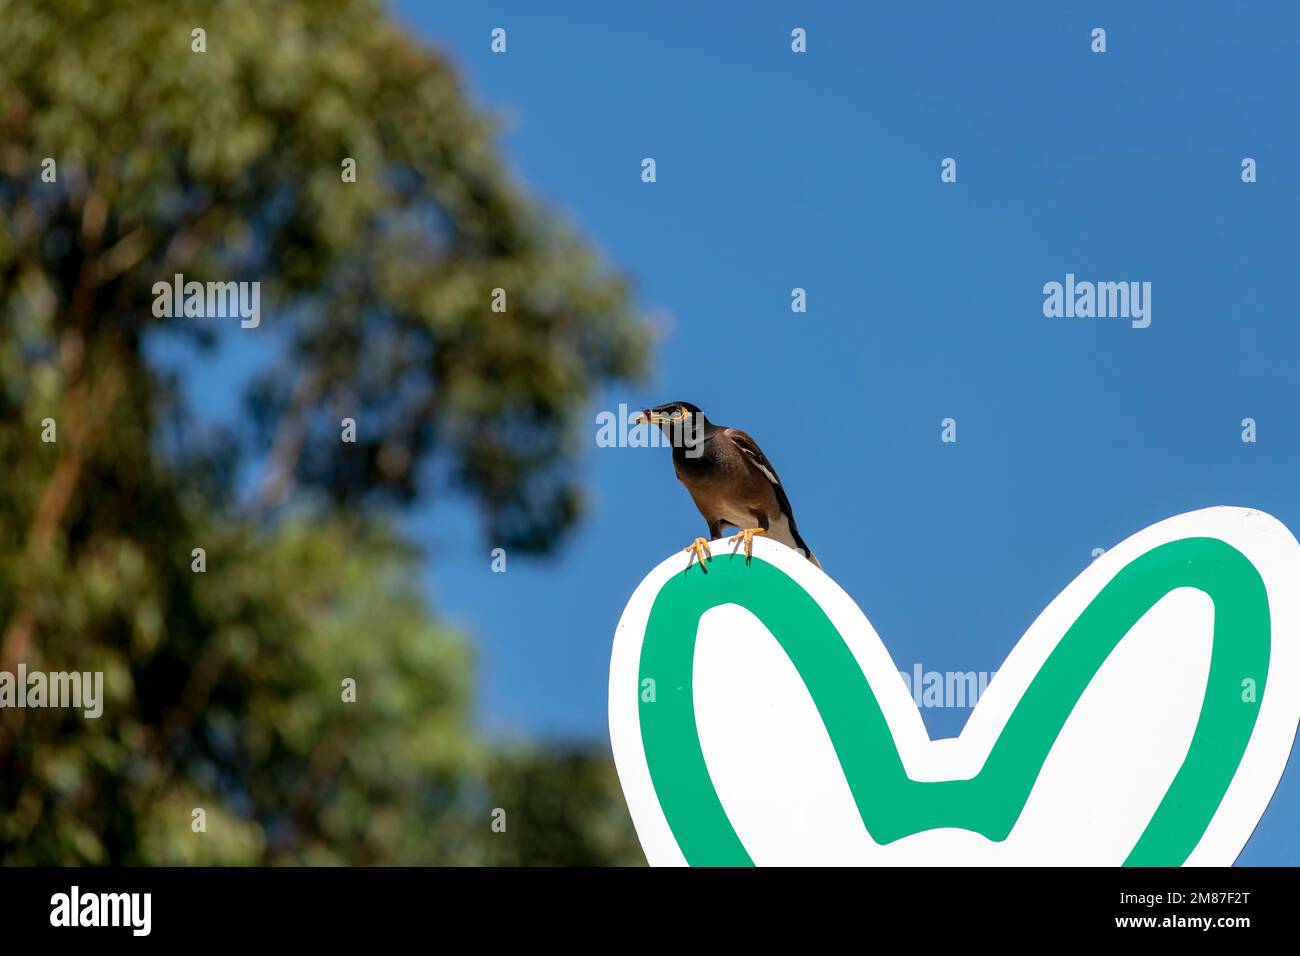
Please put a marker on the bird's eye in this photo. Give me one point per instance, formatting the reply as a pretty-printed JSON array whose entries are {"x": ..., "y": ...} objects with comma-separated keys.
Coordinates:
[{"x": 682, "y": 413}]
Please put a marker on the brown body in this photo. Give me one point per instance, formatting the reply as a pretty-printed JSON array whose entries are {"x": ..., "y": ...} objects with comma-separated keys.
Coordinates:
[{"x": 729, "y": 478}]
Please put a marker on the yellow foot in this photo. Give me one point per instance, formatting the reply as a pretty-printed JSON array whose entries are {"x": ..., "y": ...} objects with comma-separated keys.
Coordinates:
[
  {"x": 747, "y": 536},
  {"x": 699, "y": 549}
]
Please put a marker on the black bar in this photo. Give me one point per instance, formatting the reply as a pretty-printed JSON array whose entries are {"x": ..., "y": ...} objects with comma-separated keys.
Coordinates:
[{"x": 484, "y": 905}]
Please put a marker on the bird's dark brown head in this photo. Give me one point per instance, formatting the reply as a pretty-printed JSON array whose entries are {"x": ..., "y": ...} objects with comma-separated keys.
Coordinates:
[
  {"x": 673, "y": 413},
  {"x": 682, "y": 423}
]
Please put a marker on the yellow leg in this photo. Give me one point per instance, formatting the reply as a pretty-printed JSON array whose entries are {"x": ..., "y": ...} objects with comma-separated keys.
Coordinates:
[
  {"x": 699, "y": 549},
  {"x": 747, "y": 536}
]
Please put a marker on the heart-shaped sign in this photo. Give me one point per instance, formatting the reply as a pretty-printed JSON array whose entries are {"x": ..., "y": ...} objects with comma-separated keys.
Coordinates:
[{"x": 1145, "y": 718}]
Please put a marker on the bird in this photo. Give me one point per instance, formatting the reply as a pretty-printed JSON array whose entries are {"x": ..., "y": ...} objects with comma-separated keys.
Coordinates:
[{"x": 730, "y": 480}]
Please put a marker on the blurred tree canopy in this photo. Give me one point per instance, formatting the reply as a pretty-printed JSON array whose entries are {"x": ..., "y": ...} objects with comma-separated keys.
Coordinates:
[{"x": 223, "y": 688}]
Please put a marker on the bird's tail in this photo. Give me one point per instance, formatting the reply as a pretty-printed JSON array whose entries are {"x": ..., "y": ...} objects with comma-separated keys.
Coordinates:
[{"x": 802, "y": 547}]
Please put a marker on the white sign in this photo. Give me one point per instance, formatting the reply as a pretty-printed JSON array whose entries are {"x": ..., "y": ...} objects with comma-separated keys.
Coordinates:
[{"x": 1145, "y": 717}]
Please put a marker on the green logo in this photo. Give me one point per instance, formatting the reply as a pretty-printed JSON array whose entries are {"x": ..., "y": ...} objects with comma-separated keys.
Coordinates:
[{"x": 685, "y": 801}]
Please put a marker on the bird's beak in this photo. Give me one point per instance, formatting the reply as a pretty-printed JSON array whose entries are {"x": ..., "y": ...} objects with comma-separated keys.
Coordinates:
[{"x": 647, "y": 417}]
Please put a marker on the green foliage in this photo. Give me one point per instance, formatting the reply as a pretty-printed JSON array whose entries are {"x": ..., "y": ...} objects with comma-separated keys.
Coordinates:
[
  {"x": 563, "y": 808},
  {"x": 224, "y": 688}
]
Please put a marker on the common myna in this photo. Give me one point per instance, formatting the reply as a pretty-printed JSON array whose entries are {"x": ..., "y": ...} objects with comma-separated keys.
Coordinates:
[{"x": 730, "y": 479}]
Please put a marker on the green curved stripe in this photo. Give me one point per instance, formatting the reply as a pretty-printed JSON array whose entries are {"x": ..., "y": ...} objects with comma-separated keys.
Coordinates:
[{"x": 891, "y": 804}]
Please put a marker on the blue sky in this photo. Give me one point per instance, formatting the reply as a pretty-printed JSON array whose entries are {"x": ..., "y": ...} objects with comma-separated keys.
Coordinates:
[{"x": 924, "y": 302}]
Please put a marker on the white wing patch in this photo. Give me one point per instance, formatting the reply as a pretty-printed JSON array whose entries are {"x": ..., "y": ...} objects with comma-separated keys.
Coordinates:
[{"x": 759, "y": 465}]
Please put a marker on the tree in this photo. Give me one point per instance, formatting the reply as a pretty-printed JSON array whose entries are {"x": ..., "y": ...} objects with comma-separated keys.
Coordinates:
[{"x": 224, "y": 687}]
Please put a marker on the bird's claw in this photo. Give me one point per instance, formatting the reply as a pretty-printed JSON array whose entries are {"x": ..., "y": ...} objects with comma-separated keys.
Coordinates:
[
  {"x": 747, "y": 537},
  {"x": 699, "y": 550}
]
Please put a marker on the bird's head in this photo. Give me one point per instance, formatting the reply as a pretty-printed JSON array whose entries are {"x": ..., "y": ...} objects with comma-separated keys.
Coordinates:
[
  {"x": 682, "y": 423},
  {"x": 674, "y": 413}
]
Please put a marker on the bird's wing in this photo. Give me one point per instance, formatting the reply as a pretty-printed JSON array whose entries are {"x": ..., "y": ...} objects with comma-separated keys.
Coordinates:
[{"x": 755, "y": 456}]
